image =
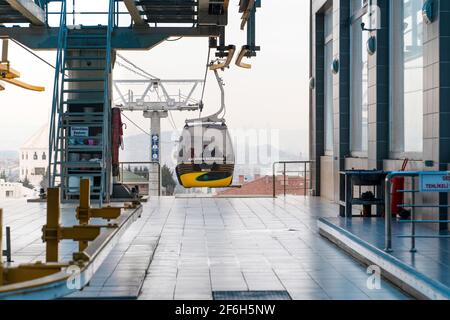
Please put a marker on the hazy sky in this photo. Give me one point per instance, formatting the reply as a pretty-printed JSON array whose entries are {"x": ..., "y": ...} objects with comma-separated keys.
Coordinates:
[{"x": 274, "y": 94}]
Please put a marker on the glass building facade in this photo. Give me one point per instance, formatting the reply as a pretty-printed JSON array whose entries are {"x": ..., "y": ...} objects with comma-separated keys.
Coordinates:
[{"x": 388, "y": 98}]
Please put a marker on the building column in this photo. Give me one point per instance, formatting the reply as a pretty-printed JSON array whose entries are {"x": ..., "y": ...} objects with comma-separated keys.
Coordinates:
[
  {"x": 378, "y": 97},
  {"x": 317, "y": 99},
  {"x": 155, "y": 140},
  {"x": 341, "y": 93}
]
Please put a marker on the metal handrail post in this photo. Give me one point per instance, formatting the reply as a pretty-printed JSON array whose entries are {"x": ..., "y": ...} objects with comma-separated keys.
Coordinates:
[
  {"x": 388, "y": 215},
  {"x": 413, "y": 216},
  {"x": 8, "y": 244},
  {"x": 305, "y": 171},
  {"x": 304, "y": 180},
  {"x": 159, "y": 179},
  {"x": 273, "y": 179}
]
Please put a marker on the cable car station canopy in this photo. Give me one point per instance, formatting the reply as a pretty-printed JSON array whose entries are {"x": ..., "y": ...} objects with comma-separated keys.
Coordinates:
[{"x": 152, "y": 21}]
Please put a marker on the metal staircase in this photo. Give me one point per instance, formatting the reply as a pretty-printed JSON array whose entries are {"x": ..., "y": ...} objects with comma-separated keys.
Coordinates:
[{"x": 81, "y": 111}]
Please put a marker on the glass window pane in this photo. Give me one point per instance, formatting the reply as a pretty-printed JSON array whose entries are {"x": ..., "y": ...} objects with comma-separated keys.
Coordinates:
[
  {"x": 359, "y": 89},
  {"x": 407, "y": 77},
  {"x": 356, "y": 5},
  {"x": 328, "y": 85}
]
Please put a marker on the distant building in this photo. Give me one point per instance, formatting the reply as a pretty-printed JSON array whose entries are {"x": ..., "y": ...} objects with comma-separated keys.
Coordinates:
[
  {"x": 34, "y": 157},
  {"x": 10, "y": 190}
]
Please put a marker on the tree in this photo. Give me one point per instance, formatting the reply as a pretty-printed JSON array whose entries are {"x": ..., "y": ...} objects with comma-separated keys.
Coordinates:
[
  {"x": 3, "y": 176},
  {"x": 44, "y": 182},
  {"x": 26, "y": 183},
  {"x": 167, "y": 180}
]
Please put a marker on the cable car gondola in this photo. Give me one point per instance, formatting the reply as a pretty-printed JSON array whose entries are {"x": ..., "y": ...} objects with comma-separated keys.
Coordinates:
[{"x": 205, "y": 154}]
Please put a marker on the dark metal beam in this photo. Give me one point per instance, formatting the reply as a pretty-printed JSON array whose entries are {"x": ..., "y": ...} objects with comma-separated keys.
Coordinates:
[{"x": 38, "y": 38}]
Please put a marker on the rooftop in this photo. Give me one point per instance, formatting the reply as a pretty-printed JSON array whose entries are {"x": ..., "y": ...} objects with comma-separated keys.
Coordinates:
[{"x": 39, "y": 140}]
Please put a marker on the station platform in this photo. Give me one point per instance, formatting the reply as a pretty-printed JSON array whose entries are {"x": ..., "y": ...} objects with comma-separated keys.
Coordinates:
[
  {"x": 424, "y": 274},
  {"x": 208, "y": 248}
]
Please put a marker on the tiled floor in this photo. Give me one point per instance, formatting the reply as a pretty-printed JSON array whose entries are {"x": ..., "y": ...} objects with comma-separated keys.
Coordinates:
[
  {"x": 237, "y": 244},
  {"x": 433, "y": 254},
  {"x": 209, "y": 244},
  {"x": 122, "y": 274}
]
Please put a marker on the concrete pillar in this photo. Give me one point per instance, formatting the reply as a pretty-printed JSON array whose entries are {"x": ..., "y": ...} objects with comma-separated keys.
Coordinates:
[{"x": 155, "y": 134}]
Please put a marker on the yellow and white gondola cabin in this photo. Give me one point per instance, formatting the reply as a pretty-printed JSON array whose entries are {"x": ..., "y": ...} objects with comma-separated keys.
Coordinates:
[{"x": 205, "y": 156}]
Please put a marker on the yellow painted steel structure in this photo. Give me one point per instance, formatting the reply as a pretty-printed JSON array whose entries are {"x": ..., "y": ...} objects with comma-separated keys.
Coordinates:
[
  {"x": 51, "y": 280},
  {"x": 192, "y": 180},
  {"x": 24, "y": 85},
  {"x": 10, "y": 75},
  {"x": 53, "y": 233},
  {"x": 23, "y": 272}
]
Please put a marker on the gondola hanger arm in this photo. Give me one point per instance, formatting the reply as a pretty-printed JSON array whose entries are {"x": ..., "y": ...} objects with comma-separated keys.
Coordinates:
[
  {"x": 241, "y": 57},
  {"x": 226, "y": 63},
  {"x": 214, "y": 118}
]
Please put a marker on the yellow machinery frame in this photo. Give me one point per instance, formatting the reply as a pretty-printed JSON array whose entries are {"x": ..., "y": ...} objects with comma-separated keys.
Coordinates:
[
  {"x": 53, "y": 233},
  {"x": 9, "y": 75}
]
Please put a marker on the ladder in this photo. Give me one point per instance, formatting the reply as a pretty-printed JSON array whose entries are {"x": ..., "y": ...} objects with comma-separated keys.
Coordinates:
[{"x": 81, "y": 112}]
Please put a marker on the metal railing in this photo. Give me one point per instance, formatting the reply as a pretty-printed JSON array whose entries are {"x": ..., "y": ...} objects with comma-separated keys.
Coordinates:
[
  {"x": 4, "y": 253},
  {"x": 107, "y": 100},
  {"x": 55, "y": 124},
  {"x": 7, "y": 252},
  {"x": 146, "y": 174},
  {"x": 305, "y": 171},
  {"x": 413, "y": 206}
]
